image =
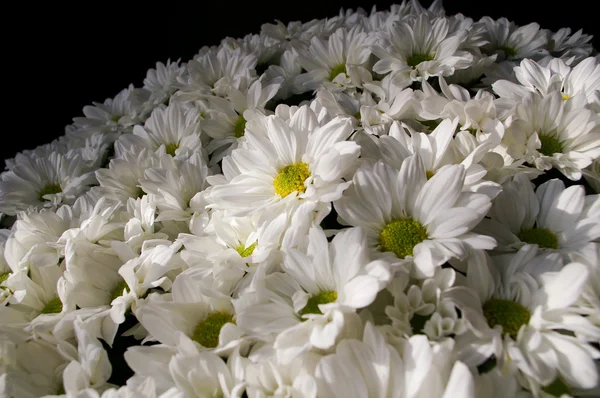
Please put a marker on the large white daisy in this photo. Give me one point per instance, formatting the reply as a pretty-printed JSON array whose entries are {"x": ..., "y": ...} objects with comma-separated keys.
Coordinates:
[
  {"x": 410, "y": 219},
  {"x": 304, "y": 307},
  {"x": 521, "y": 317},
  {"x": 299, "y": 159}
]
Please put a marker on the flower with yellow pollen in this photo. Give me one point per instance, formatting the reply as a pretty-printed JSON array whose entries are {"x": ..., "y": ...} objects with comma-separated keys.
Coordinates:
[
  {"x": 413, "y": 219},
  {"x": 286, "y": 160}
]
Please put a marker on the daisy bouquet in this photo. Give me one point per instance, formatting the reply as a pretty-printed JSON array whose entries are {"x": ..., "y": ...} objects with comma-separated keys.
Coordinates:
[{"x": 399, "y": 203}]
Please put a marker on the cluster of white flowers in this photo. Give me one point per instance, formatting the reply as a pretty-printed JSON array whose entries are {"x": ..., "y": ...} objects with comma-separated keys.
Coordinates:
[{"x": 389, "y": 204}]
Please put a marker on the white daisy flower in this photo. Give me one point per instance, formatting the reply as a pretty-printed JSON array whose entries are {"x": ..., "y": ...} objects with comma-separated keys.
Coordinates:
[
  {"x": 264, "y": 47},
  {"x": 412, "y": 220},
  {"x": 121, "y": 179},
  {"x": 549, "y": 135},
  {"x": 35, "y": 370},
  {"x": 343, "y": 53},
  {"x": 186, "y": 371},
  {"x": 117, "y": 114},
  {"x": 38, "y": 301},
  {"x": 577, "y": 85},
  {"x": 419, "y": 47},
  {"x": 162, "y": 81},
  {"x": 90, "y": 369},
  {"x": 215, "y": 71},
  {"x": 173, "y": 130},
  {"x": 265, "y": 376},
  {"x": 565, "y": 44},
  {"x": 206, "y": 320},
  {"x": 225, "y": 122},
  {"x": 289, "y": 69},
  {"x": 477, "y": 115},
  {"x": 512, "y": 42},
  {"x": 421, "y": 307},
  {"x": 303, "y": 308},
  {"x": 299, "y": 159},
  {"x": 436, "y": 151},
  {"x": 156, "y": 267},
  {"x": 34, "y": 237},
  {"x": 44, "y": 182},
  {"x": 522, "y": 313},
  {"x": 175, "y": 184},
  {"x": 418, "y": 370},
  {"x": 557, "y": 219}
]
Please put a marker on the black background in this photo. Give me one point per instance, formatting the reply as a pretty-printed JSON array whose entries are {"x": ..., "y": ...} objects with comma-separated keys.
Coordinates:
[{"x": 59, "y": 58}]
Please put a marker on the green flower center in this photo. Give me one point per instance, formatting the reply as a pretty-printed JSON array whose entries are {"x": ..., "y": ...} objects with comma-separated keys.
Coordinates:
[
  {"x": 509, "y": 51},
  {"x": 416, "y": 59},
  {"x": 550, "y": 145},
  {"x": 171, "y": 148},
  {"x": 506, "y": 313},
  {"x": 245, "y": 251},
  {"x": 400, "y": 236},
  {"x": 542, "y": 237},
  {"x": 53, "y": 306},
  {"x": 49, "y": 189},
  {"x": 239, "y": 127},
  {"x": 291, "y": 179},
  {"x": 324, "y": 297},
  {"x": 557, "y": 388},
  {"x": 140, "y": 193},
  {"x": 336, "y": 71},
  {"x": 429, "y": 174},
  {"x": 118, "y": 290},
  {"x": 207, "y": 331},
  {"x": 3, "y": 277}
]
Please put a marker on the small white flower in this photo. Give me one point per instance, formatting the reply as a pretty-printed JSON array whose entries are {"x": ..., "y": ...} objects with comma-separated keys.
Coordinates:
[
  {"x": 44, "y": 182},
  {"x": 419, "y": 47},
  {"x": 557, "y": 219}
]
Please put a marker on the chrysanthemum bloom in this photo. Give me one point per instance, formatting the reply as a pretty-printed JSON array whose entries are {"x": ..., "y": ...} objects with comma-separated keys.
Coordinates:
[
  {"x": 286, "y": 161},
  {"x": 522, "y": 317},
  {"x": 555, "y": 218},
  {"x": 546, "y": 134},
  {"x": 410, "y": 219}
]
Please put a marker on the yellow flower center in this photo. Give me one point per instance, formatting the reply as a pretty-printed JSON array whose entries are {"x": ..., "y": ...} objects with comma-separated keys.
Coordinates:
[
  {"x": 565, "y": 97},
  {"x": 246, "y": 251},
  {"x": 506, "y": 313},
  {"x": 400, "y": 236},
  {"x": 239, "y": 127},
  {"x": 207, "y": 331},
  {"x": 291, "y": 179},
  {"x": 542, "y": 237},
  {"x": 53, "y": 306},
  {"x": 49, "y": 189},
  {"x": 336, "y": 71},
  {"x": 324, "y": 297}
]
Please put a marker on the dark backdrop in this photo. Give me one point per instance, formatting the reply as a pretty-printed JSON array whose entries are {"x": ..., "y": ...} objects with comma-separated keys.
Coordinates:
[{"x": 59, "y": 58}]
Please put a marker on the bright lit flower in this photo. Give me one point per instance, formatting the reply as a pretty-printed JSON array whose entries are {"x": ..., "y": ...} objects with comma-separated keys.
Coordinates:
[{"x": 410, "y": 219}]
